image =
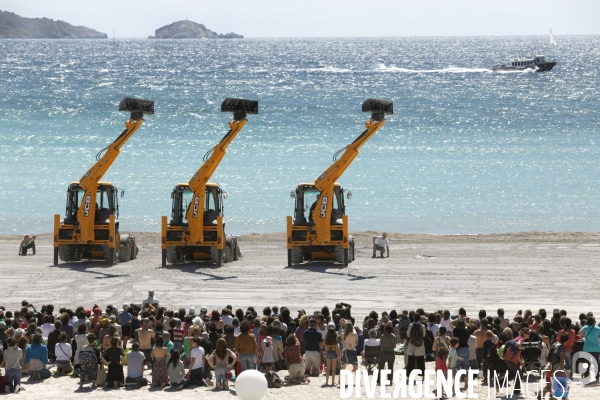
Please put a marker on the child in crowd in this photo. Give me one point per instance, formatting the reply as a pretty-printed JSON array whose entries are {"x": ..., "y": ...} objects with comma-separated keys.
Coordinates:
[
  {"x": 452, "y": 359},
  {"x": 333, "y": 354},
  {"x": 266, "y": 353},
  {"x": 441, "y": 365},
  {"x": 487, "y": 345},
  {"x": 441, "y": 341},
  {"x": 177, "y": 329}
]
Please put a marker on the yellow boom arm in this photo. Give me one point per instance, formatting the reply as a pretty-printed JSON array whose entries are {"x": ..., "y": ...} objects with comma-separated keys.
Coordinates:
[
  {"x": 84, "y": 232},
  {"x": 325, "y": 182},
  {"x": 195, "y": 212}
]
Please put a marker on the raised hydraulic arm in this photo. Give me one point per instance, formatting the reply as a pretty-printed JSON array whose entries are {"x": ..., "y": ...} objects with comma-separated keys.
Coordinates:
[
  {"x": 83, "y": 231},
  {"x": 319, "y": 230},
  {"x": 194, "y": 234}
]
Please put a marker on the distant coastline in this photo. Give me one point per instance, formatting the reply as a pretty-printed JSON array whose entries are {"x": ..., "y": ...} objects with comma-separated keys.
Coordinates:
[{"x": 13, "y": 26}]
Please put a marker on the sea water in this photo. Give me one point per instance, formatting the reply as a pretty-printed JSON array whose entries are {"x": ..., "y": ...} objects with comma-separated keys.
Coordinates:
[{"x": 466, "y": 151}]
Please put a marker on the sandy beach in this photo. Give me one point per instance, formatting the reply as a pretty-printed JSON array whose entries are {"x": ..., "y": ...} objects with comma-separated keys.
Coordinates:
[{"x": 514, "y": 271}]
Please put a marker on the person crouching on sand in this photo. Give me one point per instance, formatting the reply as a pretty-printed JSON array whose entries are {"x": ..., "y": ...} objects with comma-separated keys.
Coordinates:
[
  {"x": 381, "y": 244},
  {"x": 27, "y": 243}
]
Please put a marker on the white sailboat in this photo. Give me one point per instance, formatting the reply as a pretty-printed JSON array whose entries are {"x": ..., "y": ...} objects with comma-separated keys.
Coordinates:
[{"x": 552, "y": 40}]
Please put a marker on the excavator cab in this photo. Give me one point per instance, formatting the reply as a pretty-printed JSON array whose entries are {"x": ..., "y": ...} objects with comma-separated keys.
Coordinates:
[
  {"x": 183, "y": 198},
  {"x": 107, "y": 203},
  {"x": 307, "y": 198}
]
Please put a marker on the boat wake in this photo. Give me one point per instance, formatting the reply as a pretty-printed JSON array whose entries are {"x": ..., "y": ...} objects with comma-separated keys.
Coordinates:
[{"x": 447, "y": 70}]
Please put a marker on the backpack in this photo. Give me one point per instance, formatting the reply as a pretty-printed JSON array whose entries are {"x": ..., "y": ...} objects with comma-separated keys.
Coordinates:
[
  {"x": 500, "y": 352},
  {"x": 87, "y": 358},
  {"x": 273, "y": 380},
  {"x": 416, "y": 335},
  {"x": 403, "y": 327},
  {"x": 553, "y": 355}
]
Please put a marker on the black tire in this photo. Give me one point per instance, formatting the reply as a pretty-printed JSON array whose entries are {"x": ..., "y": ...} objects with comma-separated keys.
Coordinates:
[
  {"x": 171, "y": 255},
  {"x": 238, "y": 252},
  {"x": 339, "y": 254},
  {"x": 228, "y": 255},
  {"x": 351, "y": 249},
  {"x": 125, "y": 248},
  {"x": 56, "y": 256},
  {"x": 289, "y": 257},
  {"x": 164, "y": 258},
  {"x": 297, "y": 255},
  {"x": 66, "y": 252},
  {"x": 112, "y": 255},
  {"x": 219, "y": 258},
  {"x": 346, "y": 256},
  {"x": 134, "y": 249},
  {"x": 214, "y": 254}
]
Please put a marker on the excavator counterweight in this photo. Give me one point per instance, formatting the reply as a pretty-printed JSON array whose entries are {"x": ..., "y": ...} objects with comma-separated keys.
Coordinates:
[{"x": 324, "y": 234}]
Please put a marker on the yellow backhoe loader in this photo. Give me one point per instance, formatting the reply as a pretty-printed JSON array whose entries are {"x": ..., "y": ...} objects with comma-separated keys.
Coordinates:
[
  {"x": 324, "y": 234},
  {"x": 90, "y": 228},
  {"x": 196, "y": 230}
]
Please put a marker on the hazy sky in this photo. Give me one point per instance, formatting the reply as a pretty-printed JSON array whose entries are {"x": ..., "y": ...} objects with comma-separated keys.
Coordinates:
[{"x": 325, "y": 18}]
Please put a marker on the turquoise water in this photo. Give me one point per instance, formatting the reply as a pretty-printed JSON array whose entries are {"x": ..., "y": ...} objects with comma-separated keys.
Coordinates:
[{"x": 467, "y": 151}]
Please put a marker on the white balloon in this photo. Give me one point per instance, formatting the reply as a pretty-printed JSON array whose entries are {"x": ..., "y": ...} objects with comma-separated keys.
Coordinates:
[{"x": 251, "y": 385}]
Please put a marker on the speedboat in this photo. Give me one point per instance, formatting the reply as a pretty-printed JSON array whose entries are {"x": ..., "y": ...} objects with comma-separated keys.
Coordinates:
[{"x": 537, "y": 63}]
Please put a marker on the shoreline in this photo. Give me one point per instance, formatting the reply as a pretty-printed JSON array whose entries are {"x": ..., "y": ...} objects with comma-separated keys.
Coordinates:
[{"x": 523, "y": 236}]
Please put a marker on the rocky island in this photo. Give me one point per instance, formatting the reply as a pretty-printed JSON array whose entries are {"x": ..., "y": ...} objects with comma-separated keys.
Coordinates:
[
  {"x": 190, "y": 30},
  {"x": 13, "y": 26}
]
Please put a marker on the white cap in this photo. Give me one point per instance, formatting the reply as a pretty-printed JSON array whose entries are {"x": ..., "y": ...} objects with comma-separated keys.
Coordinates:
[
  {"x": 203, "y": 309},
  {"x": 192, "y": 311}
]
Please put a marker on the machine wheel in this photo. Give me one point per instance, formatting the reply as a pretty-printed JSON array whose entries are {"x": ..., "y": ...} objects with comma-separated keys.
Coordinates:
[
  {"x": 228, "y": 256},
  {"x": 171, "y": 255},
  {"x": 352, "y": 251},
  {"x": 216, "y": 256},
  {"x": 67, "y": 252},
  {"x": 230, "y": 249},
  {"x": 56, "y": 256},
  {"x": 126, "y": 248},
  {"x": 112, "y": 255},
  {"x": 297, "y": 255},
  {"x": 341, "y": 255},
  {"x": 134, "y": 248}
]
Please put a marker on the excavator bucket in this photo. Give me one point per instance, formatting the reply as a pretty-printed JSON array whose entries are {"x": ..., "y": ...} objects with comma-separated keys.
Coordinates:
[
  {"x": 377, "y": 106},
  {"x": 239, "y": 105},
  {"x": 131, "y": 105}
]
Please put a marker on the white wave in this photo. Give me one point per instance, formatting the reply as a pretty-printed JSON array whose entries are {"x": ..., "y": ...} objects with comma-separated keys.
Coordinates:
[
  {"x": 329, "y": 69},
  {"x": 517, "y": 71},
  {"x": 450, "y": 70}
]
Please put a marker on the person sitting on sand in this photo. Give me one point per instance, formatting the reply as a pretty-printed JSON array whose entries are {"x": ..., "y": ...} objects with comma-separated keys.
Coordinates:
[
  {"x": 293, "y": 359},
  {"x": 63, "y": 352},
  {"x": 27, "y": 243},
  {"x": 381, "y": 244},
  {"x": 37, "y": 355},
  {"x": 135, "y": 367},
  {"x": 175, "y": 369},
  {"x": 113, "y": 357}
]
